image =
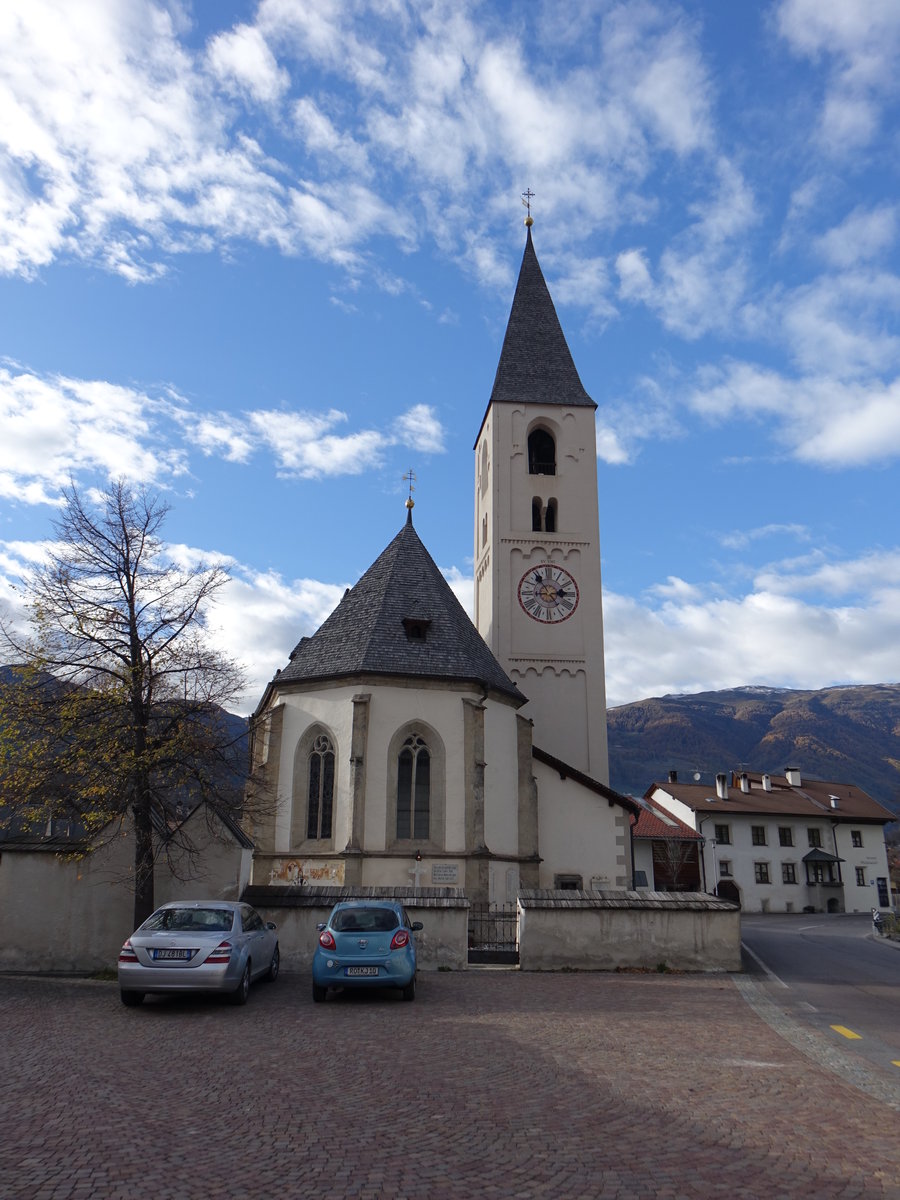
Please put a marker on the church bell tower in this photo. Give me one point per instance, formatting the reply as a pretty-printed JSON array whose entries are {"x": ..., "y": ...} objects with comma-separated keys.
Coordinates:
[{"x": 538, "y": 598}]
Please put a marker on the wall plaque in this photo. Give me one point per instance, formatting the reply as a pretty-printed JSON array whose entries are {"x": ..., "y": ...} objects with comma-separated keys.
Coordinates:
[{"x": 445, "y": 872}]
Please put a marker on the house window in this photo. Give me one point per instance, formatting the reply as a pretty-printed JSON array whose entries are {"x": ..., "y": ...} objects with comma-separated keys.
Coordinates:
[
  {"x": 785, "y": 835},
  {"x": 788, "y": 873},
  {"x": 761, "y": 872},
  {"x": 413, "y": 790},
  {"x": 856, "y": 838},
  {"x": 320, "y": 789},
  {"x": 723, "y": 835},
  {"x": 860, "y": 876},
  {"x": 725, "y": 868},
  {"x": 758, "y": 835},
  {"x": 541, "y": 453},
  {"x": 815, "y": 838}
]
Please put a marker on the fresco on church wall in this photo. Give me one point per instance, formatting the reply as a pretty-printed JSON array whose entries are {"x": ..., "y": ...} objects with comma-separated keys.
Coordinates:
[{"x": 288, "y": 871}]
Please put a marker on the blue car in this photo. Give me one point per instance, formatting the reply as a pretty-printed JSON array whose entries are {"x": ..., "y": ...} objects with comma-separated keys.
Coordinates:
[{"x": 366, "y": 943}]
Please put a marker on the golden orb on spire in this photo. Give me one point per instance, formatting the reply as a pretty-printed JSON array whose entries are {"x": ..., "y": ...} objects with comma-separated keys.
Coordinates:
[{"x": 529, "y": 221}]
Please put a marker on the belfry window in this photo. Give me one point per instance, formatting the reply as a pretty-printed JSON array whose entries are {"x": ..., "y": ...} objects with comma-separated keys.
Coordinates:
[
  {"x": 320, "y": 793},
  {"x": 543, "y": 518},
  {"x": 541, "y": 453},
  {"x": 414, "y": 790}
]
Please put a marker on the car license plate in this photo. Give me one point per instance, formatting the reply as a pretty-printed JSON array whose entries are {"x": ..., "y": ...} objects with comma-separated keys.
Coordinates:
[
  {"x": 179, "y": 954},
  {"x": 360, "y": 970}
]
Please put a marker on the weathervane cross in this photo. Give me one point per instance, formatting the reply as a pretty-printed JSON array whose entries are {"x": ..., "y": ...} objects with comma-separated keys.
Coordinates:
[
  {"x": 410, "y": 477},
  {"x": 527, "y": 197}
]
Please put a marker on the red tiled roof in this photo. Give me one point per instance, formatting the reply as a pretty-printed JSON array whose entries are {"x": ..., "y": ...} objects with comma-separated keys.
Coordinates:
[{"x": 655, "y": 823}]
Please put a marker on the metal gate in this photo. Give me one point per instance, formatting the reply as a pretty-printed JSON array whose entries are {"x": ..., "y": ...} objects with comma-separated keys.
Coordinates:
[{"x": 494, "y": 933}]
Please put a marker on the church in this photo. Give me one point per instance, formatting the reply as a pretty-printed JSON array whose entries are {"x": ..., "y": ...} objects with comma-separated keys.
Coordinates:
[{"x": 403, "y": 745}]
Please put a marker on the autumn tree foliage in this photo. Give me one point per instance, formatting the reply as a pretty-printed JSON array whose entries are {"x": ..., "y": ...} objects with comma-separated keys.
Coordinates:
[{"x": 112, "y": 705}]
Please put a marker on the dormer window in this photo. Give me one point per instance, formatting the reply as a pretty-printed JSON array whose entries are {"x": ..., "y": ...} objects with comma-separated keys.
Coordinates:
[{"x": 416, "y": 628}]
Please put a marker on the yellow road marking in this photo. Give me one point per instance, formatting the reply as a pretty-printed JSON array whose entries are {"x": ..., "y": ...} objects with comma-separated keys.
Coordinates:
[
  {"x": 845, "y": 1032},
  {"x": 894, "y": 1063}
]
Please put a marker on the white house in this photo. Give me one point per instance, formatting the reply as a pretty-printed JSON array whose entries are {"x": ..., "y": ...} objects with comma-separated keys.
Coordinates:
[{"x": 777, "y": 843}]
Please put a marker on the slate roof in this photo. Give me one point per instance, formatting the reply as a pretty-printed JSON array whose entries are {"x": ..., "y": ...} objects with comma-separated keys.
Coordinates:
[
  {"x": 811, "y": 800},
  {"x": 365, "y": 635},
  {"x": 536, "y": 365}
]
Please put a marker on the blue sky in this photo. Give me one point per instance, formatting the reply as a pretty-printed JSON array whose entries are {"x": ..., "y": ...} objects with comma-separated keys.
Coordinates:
[{"x": 261, "y": 256}]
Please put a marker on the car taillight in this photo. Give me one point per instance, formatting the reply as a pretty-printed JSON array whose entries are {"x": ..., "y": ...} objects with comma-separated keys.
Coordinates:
[
  {"x": 127, "y": 954},
  {"x": 399, "y": 940},
  {"x": 326, "y": 941},
  {"x": 221, "y": 954}
]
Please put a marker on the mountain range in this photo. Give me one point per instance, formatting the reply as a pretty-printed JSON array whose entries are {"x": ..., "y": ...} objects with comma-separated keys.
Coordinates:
[{"x": 844, "y": 734}]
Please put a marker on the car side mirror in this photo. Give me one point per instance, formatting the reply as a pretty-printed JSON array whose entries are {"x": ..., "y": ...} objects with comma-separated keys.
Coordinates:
[
  {"x": 321, "y": 926},
  {"x": 271, "y": 925},
  {"x": 416, "y": 925}
]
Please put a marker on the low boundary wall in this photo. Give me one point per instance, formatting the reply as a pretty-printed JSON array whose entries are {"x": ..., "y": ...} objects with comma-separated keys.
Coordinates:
[
  {"x": 442, "y": 943},
  {"x": 606, "y": 931}
]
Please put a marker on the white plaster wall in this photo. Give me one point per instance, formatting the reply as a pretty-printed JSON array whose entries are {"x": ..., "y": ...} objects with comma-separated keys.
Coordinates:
[
  {"x": 578, "y": 833},
  {"x": 390, "y": 707},
  {"x": 643, "y": 860},
  {"x": 501, "y": 778},
  {"x": 554, "y": 939},
  {"x": 331, "y": 707}
]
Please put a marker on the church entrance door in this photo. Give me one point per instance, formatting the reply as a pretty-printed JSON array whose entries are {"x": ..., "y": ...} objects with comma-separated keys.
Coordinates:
[{"x": 494, "y": 934}]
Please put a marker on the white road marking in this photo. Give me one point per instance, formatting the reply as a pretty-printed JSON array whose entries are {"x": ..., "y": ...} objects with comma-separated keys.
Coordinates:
[{"x": 759, "y": 962}]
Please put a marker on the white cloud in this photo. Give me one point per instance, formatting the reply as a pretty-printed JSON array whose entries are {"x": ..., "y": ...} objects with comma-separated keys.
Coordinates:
[
  {"x": 420, "y": 428},
  {"x": 242, "y": 59},
  {"x": 821, "y": 419},
  {"x": 863, "y": 235},
  {"x": 860, "y": 41},
  {"x": 55, "y": 428}
]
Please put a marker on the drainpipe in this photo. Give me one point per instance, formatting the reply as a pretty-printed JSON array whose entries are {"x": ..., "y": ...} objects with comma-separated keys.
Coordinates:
[
  {"x": 703, "y": 853},
  {"x": 834, "y": 825}
]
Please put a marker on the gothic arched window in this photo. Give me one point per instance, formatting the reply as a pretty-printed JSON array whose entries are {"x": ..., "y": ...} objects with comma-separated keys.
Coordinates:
[
  {"x": 320, "y": 788},
  {"x": 541, "y": 453},
  {"x": 414, "y": 790}
]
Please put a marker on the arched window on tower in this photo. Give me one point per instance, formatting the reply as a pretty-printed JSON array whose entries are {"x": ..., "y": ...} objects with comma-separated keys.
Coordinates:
[
  {"x": 541, "y": 453},
  {"x": 320, "y": 790},
  {"x": 414, "y": 790},
  {"x": 543, "y": 519}
]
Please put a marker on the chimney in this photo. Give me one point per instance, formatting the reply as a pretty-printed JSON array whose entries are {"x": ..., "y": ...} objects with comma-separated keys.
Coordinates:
[
  {"x": 792, "y": 775},
  {"x": 673, "y": 777},
  {"x": 745, "y": 781},
  {"x": 722, "y": 785},
  {"x": 767, "y": 783}
]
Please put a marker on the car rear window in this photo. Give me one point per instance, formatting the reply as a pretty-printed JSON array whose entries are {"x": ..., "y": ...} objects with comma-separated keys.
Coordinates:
[
  {"x": 364, "y": 920},
  {"x": 194, "y": 920}
]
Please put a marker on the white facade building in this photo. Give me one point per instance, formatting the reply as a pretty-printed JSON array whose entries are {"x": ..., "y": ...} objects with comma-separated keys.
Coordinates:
[{"x": 784, "y": 844}]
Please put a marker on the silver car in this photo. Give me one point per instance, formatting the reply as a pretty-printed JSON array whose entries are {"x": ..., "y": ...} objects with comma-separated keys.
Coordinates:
[{"x": 198, "y": 946}]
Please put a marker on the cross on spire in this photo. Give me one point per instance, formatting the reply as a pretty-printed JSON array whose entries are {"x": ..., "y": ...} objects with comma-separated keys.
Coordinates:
[
  {"x": 527, "y": 197},
  {"x": 410, "y": 477}
]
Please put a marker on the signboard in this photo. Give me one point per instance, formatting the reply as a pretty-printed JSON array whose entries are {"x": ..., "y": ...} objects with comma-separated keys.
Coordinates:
[{"x": 447, "y": 873}]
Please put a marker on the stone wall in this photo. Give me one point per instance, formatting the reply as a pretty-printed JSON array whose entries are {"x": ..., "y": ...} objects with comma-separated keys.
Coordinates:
[{"x": 606, "y": 931}]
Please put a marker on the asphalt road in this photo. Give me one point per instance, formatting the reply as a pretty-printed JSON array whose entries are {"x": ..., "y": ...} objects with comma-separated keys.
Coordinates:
[{"x": 829, "y": 973}]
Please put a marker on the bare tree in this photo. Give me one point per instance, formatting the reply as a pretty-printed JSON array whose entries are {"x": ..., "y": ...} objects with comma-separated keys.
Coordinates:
[
  {"x": 673, "y": 859},
  {"x": 114, "y": 707}
]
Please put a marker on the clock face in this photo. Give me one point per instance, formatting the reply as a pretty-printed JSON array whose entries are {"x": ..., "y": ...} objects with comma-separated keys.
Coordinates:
[{"x": 548, "y": 593}]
